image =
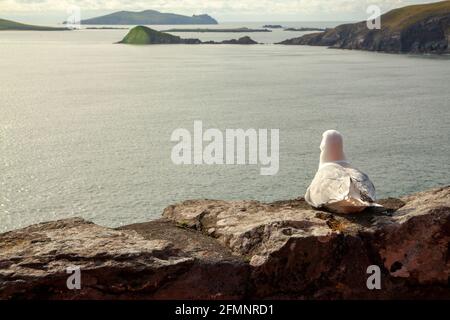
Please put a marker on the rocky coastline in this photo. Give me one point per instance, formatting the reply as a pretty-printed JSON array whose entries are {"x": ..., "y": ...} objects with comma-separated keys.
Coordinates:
[
  {"x": 415, "y": 29},
  {"x": 209, "y": 249}
]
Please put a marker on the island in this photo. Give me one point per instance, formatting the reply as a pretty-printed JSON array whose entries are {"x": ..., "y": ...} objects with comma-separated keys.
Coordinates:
[
  {"x": 230, "y": 250},
  {"x": 304, "y": 29},
  {"x": 148, "y": 17},
  {"x": 106, "y": 28},
  {"x": 242, "y": 40},
  {"x": 230, "y": 30},
  {"x": 144, "y": 35},
  {"x": 273, "y": 26},
  {"x": 12, "y": 25},
  {"x": 421, "y": 28}
]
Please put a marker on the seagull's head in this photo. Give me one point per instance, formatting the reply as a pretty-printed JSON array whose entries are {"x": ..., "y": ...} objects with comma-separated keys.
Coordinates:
[{"x": 332, "y": 147}]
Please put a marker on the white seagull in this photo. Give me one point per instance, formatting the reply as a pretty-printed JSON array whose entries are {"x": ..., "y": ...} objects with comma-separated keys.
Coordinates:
[{"x": 337, "y": 186}]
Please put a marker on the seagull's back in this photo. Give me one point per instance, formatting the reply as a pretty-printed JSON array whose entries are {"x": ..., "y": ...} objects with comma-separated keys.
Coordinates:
[{"x": 341, "y": 188}]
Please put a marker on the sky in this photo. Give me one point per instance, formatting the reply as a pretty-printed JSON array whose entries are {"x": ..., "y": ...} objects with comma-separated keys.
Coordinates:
[{"x": 56, "y": 11}]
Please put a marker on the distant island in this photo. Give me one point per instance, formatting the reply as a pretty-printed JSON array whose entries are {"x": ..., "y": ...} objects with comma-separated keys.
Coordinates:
[
  {"x": 421, "y": 28},
  {"x": 12, "y": 25},
  {"x": 229, "y": 30},
  {"x": 106, "y": 28},
  {"x": 143, "y": 35},
  {"x": 273, "y": 26},
  {"x": 304, "y": 29},
  {"x": 242, "y": 40},
  {"x": 148, "y": 17}
]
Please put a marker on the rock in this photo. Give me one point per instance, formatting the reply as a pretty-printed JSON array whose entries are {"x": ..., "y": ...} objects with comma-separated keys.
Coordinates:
[
  {"x": 304, "y": 29},
  {"x": 273, "y": 26},
  {"x": 114, "y": 264},
  {"x": 242, "y": 40},
  {"x": 415, "y": 242},
  {"x": 413, "y": 29},
  {"x": 297, "y": 252},
  {"x": 211, "y": 249}
]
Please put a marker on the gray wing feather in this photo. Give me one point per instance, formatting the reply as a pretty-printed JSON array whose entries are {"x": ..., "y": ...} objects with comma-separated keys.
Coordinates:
[{"x": 362, "y": 188}]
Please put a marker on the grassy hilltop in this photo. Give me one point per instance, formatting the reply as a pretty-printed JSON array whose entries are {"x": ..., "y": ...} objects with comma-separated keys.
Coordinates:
[
  {"x": 12, "y": 25},
  {"x": 405, "y": 17},
  {"x": 144, "y": 35}
]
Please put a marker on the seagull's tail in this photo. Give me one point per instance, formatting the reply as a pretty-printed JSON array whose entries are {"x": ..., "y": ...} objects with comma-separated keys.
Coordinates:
[
  {"x": 377, "y": 208},
  {"x": 352, "y": 205}
]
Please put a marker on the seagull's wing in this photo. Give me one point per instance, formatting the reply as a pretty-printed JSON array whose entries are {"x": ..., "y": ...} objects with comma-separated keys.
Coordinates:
[
  {"x": 361, "y": 186},
  {"x": 331, "y": 184}
]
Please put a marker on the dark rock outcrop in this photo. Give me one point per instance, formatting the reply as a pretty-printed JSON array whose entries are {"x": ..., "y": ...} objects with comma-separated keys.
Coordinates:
[
  {"x": 304, "y": 29},
  {"x": 413, "y": 29},
  {"x": 273, "y": 26},
  {"x": 242, "y": 40},
  {"x": 216, "y": 30},
  {"x": 210, "y": 249}
]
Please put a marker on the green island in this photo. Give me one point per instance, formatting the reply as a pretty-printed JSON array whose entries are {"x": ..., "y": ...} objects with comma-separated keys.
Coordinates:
[
  {"x": 12, "y": 25},
  {"x": 145, "y": 35},
  {"x": 142, "y": 35}
]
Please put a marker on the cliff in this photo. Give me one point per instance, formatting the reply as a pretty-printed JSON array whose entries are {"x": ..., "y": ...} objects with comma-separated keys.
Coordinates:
[
  {"x": 414, "y": 29},
  {"x": 209, "y": 249},
  {"x": 148, "y": 17}
]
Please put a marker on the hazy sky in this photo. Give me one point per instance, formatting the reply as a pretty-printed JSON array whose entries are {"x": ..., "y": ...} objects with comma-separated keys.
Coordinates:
[{"x": 53, "y": 11}]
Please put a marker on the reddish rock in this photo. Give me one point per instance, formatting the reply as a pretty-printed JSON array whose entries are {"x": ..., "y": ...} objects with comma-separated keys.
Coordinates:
[{"x": 208, "y": 249}]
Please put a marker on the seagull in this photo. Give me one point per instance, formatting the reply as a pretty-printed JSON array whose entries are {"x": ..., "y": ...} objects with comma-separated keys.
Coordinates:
[{"x": 337, "y": 185}]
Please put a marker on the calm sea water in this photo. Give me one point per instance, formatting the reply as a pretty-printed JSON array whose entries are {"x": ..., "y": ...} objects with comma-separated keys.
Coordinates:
[{"x": 85, "y": 124}]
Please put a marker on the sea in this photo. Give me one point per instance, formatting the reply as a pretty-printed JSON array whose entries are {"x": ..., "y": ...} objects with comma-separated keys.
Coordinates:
[{"x": 86, "y": 124}]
